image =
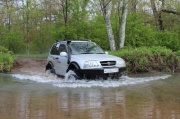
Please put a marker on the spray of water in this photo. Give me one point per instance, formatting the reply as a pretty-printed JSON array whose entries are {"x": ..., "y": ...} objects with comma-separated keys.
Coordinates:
[{"x": 64, "y": 83}]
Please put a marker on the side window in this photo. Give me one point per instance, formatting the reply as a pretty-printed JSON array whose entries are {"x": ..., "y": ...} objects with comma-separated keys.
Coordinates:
[
  {"x": 62, "y": 48},
  {"x": 55, "y": 49}
]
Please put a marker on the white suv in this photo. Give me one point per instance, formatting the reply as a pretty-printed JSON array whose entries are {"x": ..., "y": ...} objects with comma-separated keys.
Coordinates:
[{"x": 85, "y": 58}]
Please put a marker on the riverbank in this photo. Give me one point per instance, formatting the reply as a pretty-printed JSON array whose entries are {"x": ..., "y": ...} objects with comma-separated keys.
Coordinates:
[{"x": 29, "y": 65}]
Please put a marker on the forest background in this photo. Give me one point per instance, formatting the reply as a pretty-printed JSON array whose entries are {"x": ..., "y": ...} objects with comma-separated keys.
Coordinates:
[{"x": 32, "y": 26}]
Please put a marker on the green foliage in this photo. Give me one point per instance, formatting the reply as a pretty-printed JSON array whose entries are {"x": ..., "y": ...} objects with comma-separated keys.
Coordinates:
[
  {"x": 12, "y": 40},
  {"x": 6, "y": 59},
  {"x": 138, "y": 34},
  {"x": 44, "y": 40},
  {"x": 146, "y": 59},
  {"x": 98, "y": 32},
  {"x": 168, "y": 39},
  {"x": 177, "y": 53}
]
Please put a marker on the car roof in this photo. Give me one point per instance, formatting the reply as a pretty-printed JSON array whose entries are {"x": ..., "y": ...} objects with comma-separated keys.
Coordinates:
[{"x": 69, "y": 41}]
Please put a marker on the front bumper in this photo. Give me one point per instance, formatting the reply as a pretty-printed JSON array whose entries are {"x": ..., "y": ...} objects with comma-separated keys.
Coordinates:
[{"x": 94, "y": 72}]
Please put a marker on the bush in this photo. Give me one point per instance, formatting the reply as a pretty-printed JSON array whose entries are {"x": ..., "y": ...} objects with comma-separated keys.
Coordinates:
[
  {"x": 137, "y": 33},
  {"x": 6, "y": 60},
  {"x": 168, "y": 39},
  {"x": 177, "y": 53},
  {"x": 146, "y": 59}
]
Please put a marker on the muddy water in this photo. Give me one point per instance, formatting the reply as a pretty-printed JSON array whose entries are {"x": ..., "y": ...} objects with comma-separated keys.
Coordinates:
[{"x": 152, "y": 96}]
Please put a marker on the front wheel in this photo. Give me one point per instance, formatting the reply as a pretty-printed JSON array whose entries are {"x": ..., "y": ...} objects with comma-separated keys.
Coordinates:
[
  {"x": 50, "y": 71},
  {"x": 72, "y": 75}
]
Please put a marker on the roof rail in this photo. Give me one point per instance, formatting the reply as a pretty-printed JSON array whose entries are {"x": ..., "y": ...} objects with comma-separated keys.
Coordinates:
[
  {"x": 89, "y": 40},
  {"x": 69, "y": 40}
]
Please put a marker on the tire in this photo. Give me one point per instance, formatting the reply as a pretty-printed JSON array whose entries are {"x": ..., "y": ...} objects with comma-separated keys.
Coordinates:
[
  {"x": 72, "y": 75},
  {"x": 50, "y": 71}
]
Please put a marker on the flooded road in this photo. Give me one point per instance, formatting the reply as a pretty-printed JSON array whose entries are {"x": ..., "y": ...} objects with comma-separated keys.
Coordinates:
[{"x": 152, "y": 96}]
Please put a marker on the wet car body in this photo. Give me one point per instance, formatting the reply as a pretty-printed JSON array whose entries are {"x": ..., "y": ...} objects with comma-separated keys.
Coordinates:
[{"x": 85, "y": 58}]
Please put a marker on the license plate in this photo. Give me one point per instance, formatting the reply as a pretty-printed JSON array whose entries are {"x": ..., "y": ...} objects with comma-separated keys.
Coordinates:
[{"x": 113, "y": 70}]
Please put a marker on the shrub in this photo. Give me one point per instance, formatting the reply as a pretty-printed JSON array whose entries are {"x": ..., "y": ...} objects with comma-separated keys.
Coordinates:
[
  {"x": 177, "y": 53},
  {"x": 137, "y": 33},
  {"x": 6, "y": 60},
  {"x": 146, "y": 59},
  {"x": 168, "y": 39}
]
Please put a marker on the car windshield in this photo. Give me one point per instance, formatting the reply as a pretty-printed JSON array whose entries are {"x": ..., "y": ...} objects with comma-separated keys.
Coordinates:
[{"x": 85, "y": 48}]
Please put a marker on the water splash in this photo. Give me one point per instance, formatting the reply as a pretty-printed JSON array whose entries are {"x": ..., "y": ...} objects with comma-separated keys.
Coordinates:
[{"x": 63, "y": 83}]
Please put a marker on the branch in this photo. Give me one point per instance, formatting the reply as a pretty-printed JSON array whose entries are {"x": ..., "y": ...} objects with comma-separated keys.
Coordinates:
[
  {"x": 107, "y": 3},
  {"x": 170, "y": 11}
]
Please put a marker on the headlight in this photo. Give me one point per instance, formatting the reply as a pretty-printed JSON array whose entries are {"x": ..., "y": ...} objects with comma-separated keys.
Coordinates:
[
  {"x": 91, "y": 64},
  {"x": 121, "y": 63}
]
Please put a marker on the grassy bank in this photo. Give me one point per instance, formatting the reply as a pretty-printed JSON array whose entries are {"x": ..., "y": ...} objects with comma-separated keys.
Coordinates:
[
  {"x": 6, "y": 59},
  {"x": 147, "y": 59}
]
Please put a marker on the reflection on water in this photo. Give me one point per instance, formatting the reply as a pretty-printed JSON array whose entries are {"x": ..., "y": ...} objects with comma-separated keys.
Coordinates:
[{"x": 153, "y": 99}]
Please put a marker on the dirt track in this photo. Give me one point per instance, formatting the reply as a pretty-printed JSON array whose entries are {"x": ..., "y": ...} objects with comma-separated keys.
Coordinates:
[{"x": 29, "y": 65}]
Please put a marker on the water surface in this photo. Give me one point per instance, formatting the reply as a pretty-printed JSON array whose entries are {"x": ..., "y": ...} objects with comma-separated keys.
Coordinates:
[{"x": 144, "y": 96}]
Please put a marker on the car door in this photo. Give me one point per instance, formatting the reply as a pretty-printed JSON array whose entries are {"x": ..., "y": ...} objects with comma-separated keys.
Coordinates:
[
  {"x": 54, "y": 53},
  {"x": 61, "y": 61}
]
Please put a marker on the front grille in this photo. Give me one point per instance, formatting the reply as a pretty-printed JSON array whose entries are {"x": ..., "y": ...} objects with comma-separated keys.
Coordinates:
[{"x": 108, "y": 63}]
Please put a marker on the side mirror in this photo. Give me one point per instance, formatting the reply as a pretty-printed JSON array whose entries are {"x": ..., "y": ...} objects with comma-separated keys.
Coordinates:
[{"x": 63, "y": 54}]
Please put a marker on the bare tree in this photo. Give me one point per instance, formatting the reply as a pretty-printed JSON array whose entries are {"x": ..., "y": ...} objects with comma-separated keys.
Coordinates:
[
  {"x": 65, "y": 14},
  {"x": 123, "y": 24},
  {"x": 25, "y": 16},
  {"x": 157, "y": 14},
  {"x": 8, "y": 20},
  {"x": 153, "y": 6},
  {"x": 160, "y": 16},
  {"x": 106, "y": 7},
  {"x": 133, "y": 5}
]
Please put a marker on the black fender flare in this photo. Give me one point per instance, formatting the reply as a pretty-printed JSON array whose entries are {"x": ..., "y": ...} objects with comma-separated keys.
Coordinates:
[
  {"x": 73, "y": 65},
  {"x": 49, "y": 64}
]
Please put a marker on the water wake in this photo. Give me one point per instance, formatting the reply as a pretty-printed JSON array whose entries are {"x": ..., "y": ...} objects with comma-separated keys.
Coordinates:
[{"x": 63, "y": 83}]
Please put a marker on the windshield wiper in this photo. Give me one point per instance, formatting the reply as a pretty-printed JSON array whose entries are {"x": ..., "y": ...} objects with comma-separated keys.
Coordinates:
[
  {"x": 87, "y": 53},
  {"x": 100, "y": 53}
]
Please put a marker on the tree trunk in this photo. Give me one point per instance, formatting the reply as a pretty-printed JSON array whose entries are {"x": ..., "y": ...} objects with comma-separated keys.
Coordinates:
[
  {"x": 158, "y": 15},
  {"x": 123, "y": 24},
  {"x": 110, "y": 34},
  {"x": 134, "y": 5},
  {"x": 27, "y": 28},
  {"x": 8, "y": 8},
  {"x": 153, "y": 6},
  {"x": 65, "y": 15},
  {"x": 106, "y": 10}
]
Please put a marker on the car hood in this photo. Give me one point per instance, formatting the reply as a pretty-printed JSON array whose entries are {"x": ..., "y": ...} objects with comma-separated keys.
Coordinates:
[{"x": 99, "y": 57}]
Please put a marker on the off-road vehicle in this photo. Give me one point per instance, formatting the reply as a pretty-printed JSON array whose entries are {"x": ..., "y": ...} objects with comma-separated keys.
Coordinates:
[{"x": 85, "y": 59}]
